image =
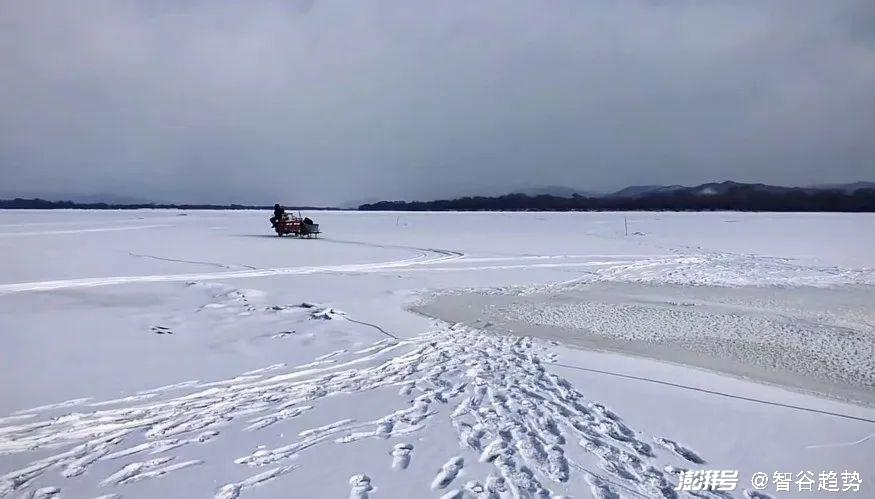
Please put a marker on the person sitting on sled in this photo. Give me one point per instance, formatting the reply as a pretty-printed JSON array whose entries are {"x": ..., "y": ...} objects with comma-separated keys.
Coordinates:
[{"x": 278, "y": 214}]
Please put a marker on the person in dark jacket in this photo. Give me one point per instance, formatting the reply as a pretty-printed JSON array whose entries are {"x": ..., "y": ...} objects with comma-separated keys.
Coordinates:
[{"x": 278, "y": 214}]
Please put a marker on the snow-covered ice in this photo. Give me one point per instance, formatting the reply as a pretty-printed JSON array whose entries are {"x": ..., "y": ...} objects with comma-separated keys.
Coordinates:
[
  {"x": 152, "y": 355},
  {"x": 817, "y": 339}
]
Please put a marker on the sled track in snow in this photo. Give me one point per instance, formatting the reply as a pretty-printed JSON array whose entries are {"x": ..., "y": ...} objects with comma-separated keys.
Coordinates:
[
  {"x": 723, "y": 269},
  {"x": 80, "y": 231},
  {"x": 426, "y": 257}
]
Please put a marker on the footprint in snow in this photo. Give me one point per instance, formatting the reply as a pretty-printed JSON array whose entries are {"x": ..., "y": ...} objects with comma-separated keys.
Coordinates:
[
  {"x": 680, "y": 450},
  {"x": 401, "y": 455},
  {"x": 674, "y": 470},
  {"x": 326, "y": 314},
  {"x": 475, "y": 489},
  {"x": 161, "y": 330},
  {"x": 46, "y": 493},
  {"x": 360, "y": 485},
  {"x": 454, "y": 494},
  {"x": 755, "y": 494},
  {"x": 134, "y": 472},
  {"x": 449, "y": 471},
  {"x": 600, "y": 489}
]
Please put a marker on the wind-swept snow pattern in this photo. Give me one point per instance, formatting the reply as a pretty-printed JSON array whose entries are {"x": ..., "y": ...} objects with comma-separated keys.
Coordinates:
[{"x": 530, "y": 427}]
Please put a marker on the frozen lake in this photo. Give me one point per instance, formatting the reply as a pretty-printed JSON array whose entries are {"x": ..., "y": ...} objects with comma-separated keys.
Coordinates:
[{"x": 173, "y": 354}]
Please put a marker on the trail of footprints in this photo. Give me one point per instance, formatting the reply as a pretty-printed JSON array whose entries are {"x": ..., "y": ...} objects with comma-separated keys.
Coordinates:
[{"x": 507, "y": 410}]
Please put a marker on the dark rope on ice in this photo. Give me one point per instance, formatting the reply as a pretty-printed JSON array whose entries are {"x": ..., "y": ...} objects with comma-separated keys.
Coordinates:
[
  {"x": 220, "y": 265},
  {"x": 378, "y": 328},
  {"x": 712, "y": 392}
]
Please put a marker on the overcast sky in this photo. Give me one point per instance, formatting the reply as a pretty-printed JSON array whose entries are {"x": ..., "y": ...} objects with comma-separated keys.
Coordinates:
[{"x": 324, "y": 102}]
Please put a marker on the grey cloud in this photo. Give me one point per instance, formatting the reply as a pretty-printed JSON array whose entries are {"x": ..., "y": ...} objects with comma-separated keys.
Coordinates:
[{"x": 323, "y": 102}]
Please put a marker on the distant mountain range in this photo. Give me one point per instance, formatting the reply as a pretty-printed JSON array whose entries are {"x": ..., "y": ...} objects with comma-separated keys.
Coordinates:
[
  {"x": 642, "y": 190},
  {"x": 854, "y": 196},
  {"x": 634, "y": 191},
  {"x": 42, "y": 204},
  {"x": 848, "y": 188},
  {"x": 736, "y": 196},
  {"x": 556, "y": 190},
  {"x": 107, "y": 198},
  {"x": 724, "y": 187}
]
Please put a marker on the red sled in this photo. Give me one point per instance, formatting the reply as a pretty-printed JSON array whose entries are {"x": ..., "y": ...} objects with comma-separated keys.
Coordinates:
[{"x": 298, "y": 227}]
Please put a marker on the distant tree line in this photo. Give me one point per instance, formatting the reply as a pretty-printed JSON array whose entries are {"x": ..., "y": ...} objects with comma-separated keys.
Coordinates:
[
  {"x": 741, "y": 198},
  {"x": 42, "y": 204}
]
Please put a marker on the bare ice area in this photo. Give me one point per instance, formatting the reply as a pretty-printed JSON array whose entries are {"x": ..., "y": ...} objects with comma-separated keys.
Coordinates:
[{"x": 147, "y": 354}]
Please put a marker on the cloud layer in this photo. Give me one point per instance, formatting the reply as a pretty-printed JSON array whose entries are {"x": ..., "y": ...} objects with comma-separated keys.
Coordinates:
[{"x": 332, "y": 101}]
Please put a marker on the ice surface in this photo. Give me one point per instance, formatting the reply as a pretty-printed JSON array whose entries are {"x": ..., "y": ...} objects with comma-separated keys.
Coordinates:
[{"x": 151, "y": 355}]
